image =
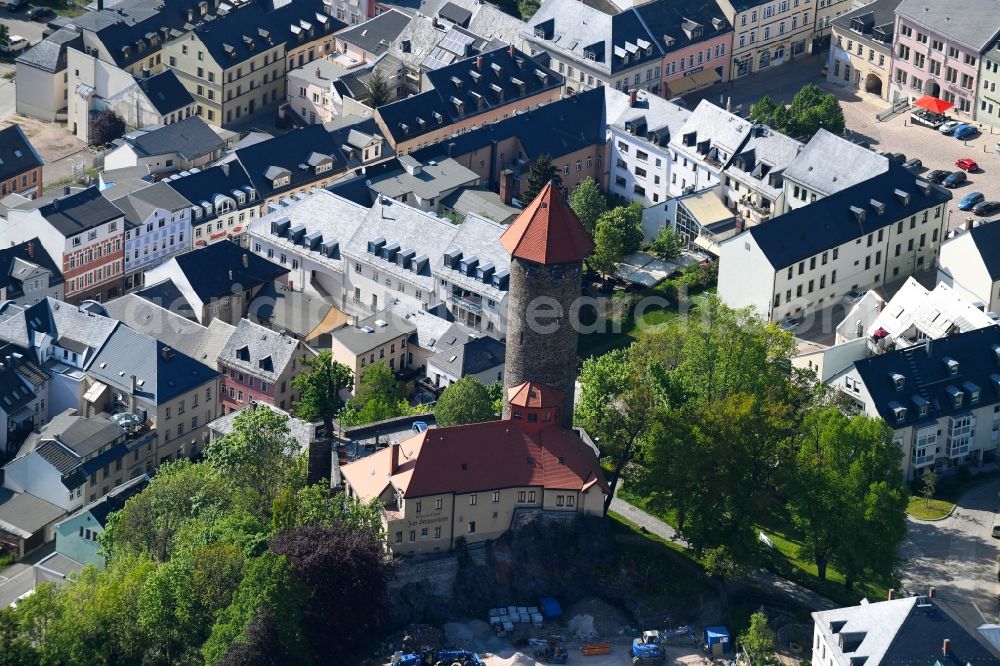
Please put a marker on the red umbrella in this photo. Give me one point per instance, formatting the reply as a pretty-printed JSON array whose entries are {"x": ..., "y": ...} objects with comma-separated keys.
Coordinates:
[{"x": 933, "y": 104}]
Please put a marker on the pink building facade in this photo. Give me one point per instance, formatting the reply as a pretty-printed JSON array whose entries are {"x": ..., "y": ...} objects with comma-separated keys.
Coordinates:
[
  {"x": 697, "y": 65},
  {"x": 929, "y": 63}
]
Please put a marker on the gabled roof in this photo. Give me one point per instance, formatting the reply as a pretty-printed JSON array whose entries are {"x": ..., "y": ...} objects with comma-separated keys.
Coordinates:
[
  {"x": 139, "y": 205},
  {"x": 686, "y": 23},
  {"x": 374, "y": 35},
  {"x": 956, "y": 20},
  {"x": 24, "y": 514},
  {"x": 926, "y": 374},
  {"x": 203, "y": 186},
  {"x": 987, "y": 240},
  {"x": 161, "y": 373},
  {"x": 78, "y": 437},
  {"x": 213, "y": 271},
  {"x": 556, "y": 129},
  {"x": 190, "y": 138},
  {"x": 291, "y": 153},
  {"x": 17, "y": 155},
  {"x": 830, "y": 221},
  {"x": 166, "y": 92},
  {"x": 258, "y": 350},
  {"x": 69, "y": 325},
  {"x": 548, "y": 231},
  {"x": 76, "y": 213},
  {"x": 467, "y": 88},
  {"x": 14, "y": 261},
  {"x": 829, "y": 163},
  {"x": 462, "y": 354},
  {"x": 440, "y": 460}
]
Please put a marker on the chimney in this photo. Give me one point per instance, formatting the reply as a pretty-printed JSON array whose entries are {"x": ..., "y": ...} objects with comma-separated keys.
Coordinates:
[
  {"x": 230, "y": 274},
  {"x": 145, "y": 72},
  {"x": 393, "y": 457},
  {"x": 31, "y": 249},
  {"x": 945, "y": 647},
  {"x": 932, "y": 592},
  {"x": 66, "y": 190},
  {"x": 246, "y": 260},
  {"x": 633, "y": 96},
  {"x": 968, "y": 223},
  {"x": 434, "y": 21},
  {"x": 506, "y": 186},
  {"x": 510, "y": 50},
  {"x": 479, "y": 63},
  {"x": 100, "y": 5},
  {"x": 739, "y": 225},
  {"x": 319, "y": 73},
  {"x": 930, "y": 347},
  {"x": 892, "y": 593},
  {"x": 167, "y": 353}
]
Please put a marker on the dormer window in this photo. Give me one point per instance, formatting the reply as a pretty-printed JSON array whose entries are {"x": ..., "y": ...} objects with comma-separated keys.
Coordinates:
[
  {"x": 922, "y": 405},
  {"x": 898, "y": 380},
  {"x": 281, "y": 181},
  {"x": 973, "y": 391},
  {"x": 956, "y": 395},
  {"x": 898, "y": 411},
  {"x": 951, "y": 365}
]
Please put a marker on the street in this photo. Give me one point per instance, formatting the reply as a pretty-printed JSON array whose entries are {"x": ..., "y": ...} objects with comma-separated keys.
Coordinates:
[{"x": 957, "y": 555}]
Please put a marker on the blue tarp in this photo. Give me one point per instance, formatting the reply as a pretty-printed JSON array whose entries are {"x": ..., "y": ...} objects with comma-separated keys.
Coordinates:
[
  {"x": 717, "y": 635},
  {"x": 549, "y": 607}
]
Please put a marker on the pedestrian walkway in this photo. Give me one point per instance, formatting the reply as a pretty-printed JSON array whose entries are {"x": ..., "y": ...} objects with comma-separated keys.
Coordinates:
[{"x": 760, "y": 578}]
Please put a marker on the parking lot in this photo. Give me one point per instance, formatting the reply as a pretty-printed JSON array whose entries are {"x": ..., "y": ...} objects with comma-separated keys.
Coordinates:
[{"x": 19, "y": 24}]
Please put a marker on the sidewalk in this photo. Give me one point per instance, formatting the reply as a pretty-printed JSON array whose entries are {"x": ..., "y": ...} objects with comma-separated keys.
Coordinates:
[{"x": 758, "y": 578}]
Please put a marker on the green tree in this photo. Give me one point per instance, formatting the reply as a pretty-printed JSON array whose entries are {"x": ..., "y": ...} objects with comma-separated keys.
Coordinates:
[
  {"x": 319, "y": 389},
  {"x": 811, "y": 110},
  {"x": 256, "y": 456},
  {"x": 464, "y": 401},
  {"x": 758, "y": 641},
  {"x": 928, "y": 484},
  {"x": 379, "y": 396},
  {"x": 844, "y": 468},
  {"x": 540, "y": 173},
  {"x": 609, "y": 248},
  {"x": 527, "y": 8},
  {"x": 497, "y": 392},
  {"x": 4, "y": 33},
  {"x": 379, "y": 92},
  {"x": 668, "y": 244},
  {"x": 589, "y": 203}
]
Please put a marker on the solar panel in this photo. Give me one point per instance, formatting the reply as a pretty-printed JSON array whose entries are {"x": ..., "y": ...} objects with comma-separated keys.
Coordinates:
[{"x": 456, "y": 42}]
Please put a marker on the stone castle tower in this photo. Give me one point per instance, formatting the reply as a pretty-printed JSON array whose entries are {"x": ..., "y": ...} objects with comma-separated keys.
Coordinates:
[{"x": 547, "y": 245}]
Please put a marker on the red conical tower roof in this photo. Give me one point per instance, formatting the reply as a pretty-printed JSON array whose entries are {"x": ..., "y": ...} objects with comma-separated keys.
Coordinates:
[{"x": 548, "y": 231}]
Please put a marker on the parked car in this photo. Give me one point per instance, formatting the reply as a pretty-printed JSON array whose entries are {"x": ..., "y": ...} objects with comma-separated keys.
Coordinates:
[
  {"x": 965, "y": 132},
  {"x": 14, "y": 44},
  {"x": 913, "y": 165},
  {"x": 36, "y": 13},
  {"x": 967, "y": 164},
  {"x": 970, "y": 200},
  {"x": 16, "y": 5},
  {"x": 853, "y": 296},
  {"x": 948, "y": 127},
  {"x": 955, "y": 179},
  {"x": 790, "y": 324},
  {"x": 937, "y": 176},
  {"x": 986, "y": 208}
]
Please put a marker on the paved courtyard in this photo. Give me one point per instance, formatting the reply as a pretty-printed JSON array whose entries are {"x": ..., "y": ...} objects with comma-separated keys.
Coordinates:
[{"x": 957, "y": 555}]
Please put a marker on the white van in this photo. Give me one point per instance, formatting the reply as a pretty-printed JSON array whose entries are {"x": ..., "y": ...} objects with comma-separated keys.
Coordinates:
[{"x": 14, "y": 44}]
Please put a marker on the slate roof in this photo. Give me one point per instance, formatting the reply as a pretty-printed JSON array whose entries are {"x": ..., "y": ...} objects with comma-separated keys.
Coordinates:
[
  {"x": 957, "y": 20},
  {"x": 190, "y": 138},
  {"x": 572, "y": 28},
  {"x": 166, "y": 92},
  {"x": 15, "y": 393},
  {"x": 652, "y": 118},
  {"x": 717, "y": 129},
  {"x": 76, "y": 213},
  {"x": 214, "y": 270},
  {"x": 462, "y": 354},
  {"x": 24, "y": 514},
  {"x": 139, "y": 205},
  {"x": 452, "y": 12},
  {"x": 82, "y": 436},
  {"x": 431, "y": 182},
  {"x": 17, "y": 155},
  {"x": 50, "y": 53},
  {"x": 373, "y": 331},
  {"x": 987, "y": 240},
  {"x": 115, "y": 500},
  {"x": 904, "y": 632},
  {"x": 226, "y": 38},
  {"x": 829, "y": 163},
  {"x": 160, "y": 377},
  {"x": 679, "y": 20},
  {"x": 830, "y": 222},
  {"x": 762, "y": 160},
  {"x": 465, "y": 89},
  {"x": 493, "y": 23},
  {"x": 202, "y": 343},
  {"x": 295, "y": 311},
  {"x": 479, "y": 200},
  {"x": 204, "y": 185},
  {"x": 439, "y": 460},
  {"x": 876, "y": 14},
  {"x": 14, "y": 259},
  {"x": 926, "y": 374},
  {"x": 58, "y": 321},
  {"x": 166, "y": 295},
  {"x": 548, "y": 231},
  {"x": 258, "y": 350},
  {"x": 374, "y": 35},
  {"x": 560, "y": 128}
]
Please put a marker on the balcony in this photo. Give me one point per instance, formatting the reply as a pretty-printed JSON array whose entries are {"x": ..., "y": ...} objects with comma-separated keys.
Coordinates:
[
  {"x": 957, "y": 451},
  {"x": 471, "y": 302},
  {"x": 922, "y": 461}
]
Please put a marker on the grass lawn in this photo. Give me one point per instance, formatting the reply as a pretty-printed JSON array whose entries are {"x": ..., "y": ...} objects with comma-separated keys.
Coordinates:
[{"x": 933, "y": 509}]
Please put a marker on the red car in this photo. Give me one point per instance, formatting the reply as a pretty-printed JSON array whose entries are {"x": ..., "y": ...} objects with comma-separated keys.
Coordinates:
[{"x": 966, "y": 164}]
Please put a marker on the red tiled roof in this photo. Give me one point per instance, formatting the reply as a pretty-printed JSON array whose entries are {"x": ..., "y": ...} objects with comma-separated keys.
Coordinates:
[
  {"x": 548, "y": 231},
  {"x": 480, "y": 457},
  {"x": 533, "y": 394}
]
